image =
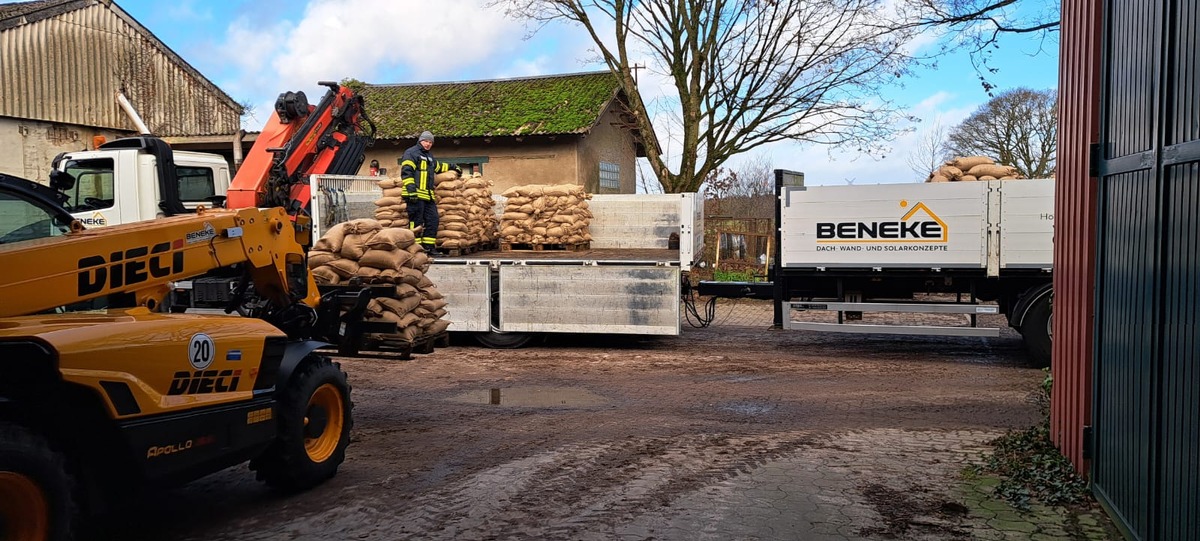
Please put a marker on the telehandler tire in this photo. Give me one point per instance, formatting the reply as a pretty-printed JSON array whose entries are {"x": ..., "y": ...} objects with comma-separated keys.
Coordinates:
[
  {"x": 36, "y": 501},
  {"x": 313, "y": 420}
]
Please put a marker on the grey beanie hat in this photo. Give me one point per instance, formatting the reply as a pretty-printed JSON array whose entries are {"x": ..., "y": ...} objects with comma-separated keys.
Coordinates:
[{"x": 425, "y": 136}]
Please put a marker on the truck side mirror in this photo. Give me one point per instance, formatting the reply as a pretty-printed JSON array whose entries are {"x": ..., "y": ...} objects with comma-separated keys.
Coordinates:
[{"x": 61, "y": 180}]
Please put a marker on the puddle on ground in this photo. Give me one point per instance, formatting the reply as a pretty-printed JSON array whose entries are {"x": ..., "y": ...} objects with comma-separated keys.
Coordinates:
[
  {"x": 532, "y": 397},
  {"x": 747, "y": 408}
]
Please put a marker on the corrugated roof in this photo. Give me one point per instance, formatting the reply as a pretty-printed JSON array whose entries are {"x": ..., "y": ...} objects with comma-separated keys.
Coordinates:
[
  {"x": 551, "y": 105},
  {"x": 13, "y": 14},
  {"x": 16, "y": 14}
]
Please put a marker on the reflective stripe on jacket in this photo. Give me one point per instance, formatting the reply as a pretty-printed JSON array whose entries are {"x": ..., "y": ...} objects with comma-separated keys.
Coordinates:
[{"x": 417, "y": 168}]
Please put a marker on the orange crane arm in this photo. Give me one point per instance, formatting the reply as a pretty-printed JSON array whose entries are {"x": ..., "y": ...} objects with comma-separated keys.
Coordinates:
[{"x": 301, "y": 140}]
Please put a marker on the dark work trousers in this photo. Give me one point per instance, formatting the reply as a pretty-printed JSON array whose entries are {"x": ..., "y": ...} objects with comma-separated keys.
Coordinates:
[{"x": 423, "y": 213}]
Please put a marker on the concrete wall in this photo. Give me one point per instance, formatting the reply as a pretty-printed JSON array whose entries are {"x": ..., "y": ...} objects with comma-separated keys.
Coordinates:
[
  {"x": 608, "y": 142},
  {"x": 28, "y": 146},
  {"x": 563, "y": 159}
]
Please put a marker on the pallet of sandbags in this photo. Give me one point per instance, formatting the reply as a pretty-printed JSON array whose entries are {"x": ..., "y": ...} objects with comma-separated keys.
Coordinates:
[
  {"x": 376, "y": 277},
  {"x": 541, "y": 215},
  {"x": 971, "y": 168},
  {"x": 465, "y": 212}
]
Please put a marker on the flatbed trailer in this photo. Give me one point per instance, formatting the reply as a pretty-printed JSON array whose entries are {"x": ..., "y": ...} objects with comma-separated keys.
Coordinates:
[
  {"x": 629, "y": 280},
  {"x": 974, "y": 248}
]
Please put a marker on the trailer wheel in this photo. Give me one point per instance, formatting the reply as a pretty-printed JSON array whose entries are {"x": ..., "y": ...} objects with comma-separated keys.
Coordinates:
[
  {"x": 503, "y": 340},
  {"x": 1037, "y": 333},
  {"x": 35, "y": 489},
  {"x": 314, "y": 420}
]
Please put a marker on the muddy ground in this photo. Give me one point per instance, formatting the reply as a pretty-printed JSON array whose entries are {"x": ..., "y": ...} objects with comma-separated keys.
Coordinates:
[{"x": 617, "y": 437}]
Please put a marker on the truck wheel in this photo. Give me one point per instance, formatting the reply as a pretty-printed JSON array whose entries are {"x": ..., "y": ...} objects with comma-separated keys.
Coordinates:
[
  {"x": 503, "y": 340},
  {"x": 35, "y": 490},
  {"x": 314, "y": 419},
  {"x": 1036, "y": 331}
]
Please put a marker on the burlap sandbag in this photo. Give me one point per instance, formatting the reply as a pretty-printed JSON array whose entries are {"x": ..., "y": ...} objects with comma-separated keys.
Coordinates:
[
  {"x": 345, "y": 268},
  {"x": 353, "y": 246},
  {"x": 368, "y": 272},
  {"x": 938, "y": 178},
  {"x": 417, "y": 261},
  {"x": 437, "y": 327},
  {"x": 374, "y": 309},
  {"x": 331, "y": 241},
  {"x": 361, "y": 226},
  {"x": 388, "y": 183},
  {"x": 991, "y": 170},
  {"x": 392, "y": 237},
  {"x": 433, "y": 305},
  {"x": 986, "y": 177},
  {"x": 408, "y": 320},
  {"x": 949, "y": 171},
  {"x": 406, "y": 290},
  {"x": 411, "y": 276},
  {"x": 394, "y": 192},
  {"x": 432, "y": 293},
  {"x": 388, "y": 201},
  {"x": 326, "y": 275},
  {"x": 965, "y": 163},
  {"x": 384, "y": 259},
  {"x": 316, "y": 258},
  {"x": 401, "y": 306},
  {"x": 968, "y": 178}
]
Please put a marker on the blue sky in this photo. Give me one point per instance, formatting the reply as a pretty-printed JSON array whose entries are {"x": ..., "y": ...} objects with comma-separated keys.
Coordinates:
[{"x": 255, "y": 49}]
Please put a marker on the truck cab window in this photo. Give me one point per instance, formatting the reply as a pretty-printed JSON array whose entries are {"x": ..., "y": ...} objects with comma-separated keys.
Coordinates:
[
  {"x": 94, "y": 188},
  {"x": 22, "y": 220},
  {"x": 195, "y": 184}
]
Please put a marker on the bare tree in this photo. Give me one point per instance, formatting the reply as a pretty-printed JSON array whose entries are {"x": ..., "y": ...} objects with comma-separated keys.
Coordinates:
[
  {"x": 1018, "y": 127},
  {"x": 929, "y": 152},
  {"x": 977, "y": 25},
  {"x": 746, "y": 73}
]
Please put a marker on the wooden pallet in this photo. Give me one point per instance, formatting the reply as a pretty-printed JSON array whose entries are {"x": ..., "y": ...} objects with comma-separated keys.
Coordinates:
[
  {"x": 468, "y": 250},
  {"x": 402, "y": 350},
  {"x": 514, "y": 246}
]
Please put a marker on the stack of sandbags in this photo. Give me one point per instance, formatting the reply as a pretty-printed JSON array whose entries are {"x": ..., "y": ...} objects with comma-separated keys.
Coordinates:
[
  {"x": 465, "y": 211},
  {"x": 365, "y": 251},
  {"x": 391, "y": 210},
  {"x": 540, "y": 214},
  {"x": 968, "y": 168}
]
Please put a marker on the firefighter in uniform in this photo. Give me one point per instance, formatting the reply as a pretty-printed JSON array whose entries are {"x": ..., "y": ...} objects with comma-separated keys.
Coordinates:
[{"x": 417, "y": 169}]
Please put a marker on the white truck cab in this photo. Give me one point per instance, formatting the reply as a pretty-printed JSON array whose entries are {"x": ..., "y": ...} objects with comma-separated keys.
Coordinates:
[{"x": 122, "y": 185}]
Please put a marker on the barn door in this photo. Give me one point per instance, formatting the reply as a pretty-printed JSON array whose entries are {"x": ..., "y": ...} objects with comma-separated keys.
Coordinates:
[{"x": 1146, "y": 416}]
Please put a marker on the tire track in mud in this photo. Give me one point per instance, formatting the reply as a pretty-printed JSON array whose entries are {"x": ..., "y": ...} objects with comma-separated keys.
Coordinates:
[
  {"x": 578, "y": 489},
  {"x": 571, "y": 492}
]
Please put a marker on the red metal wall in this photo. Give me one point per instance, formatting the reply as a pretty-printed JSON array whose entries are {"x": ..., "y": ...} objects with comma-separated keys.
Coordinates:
[{"x": 1075, "y": 226}]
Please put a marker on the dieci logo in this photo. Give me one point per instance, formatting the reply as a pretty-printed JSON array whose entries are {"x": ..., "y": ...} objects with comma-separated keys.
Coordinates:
[
  {"x": 911, "y": 228},
  {"x": 128, "y": 267}
]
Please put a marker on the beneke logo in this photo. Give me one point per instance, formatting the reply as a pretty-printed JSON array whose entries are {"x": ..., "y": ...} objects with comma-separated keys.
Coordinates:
[
  {"x": 203, "y": 235},
  {"x": 909, "y": 229}
]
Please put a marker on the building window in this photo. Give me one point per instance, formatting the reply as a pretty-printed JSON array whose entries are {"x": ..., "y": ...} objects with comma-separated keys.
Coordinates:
[
  {"x": 468, "y": 164},
  {"x": 610, "y": 176}
]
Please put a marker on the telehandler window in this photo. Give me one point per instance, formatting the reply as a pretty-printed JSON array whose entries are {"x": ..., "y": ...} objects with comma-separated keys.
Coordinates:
[{"x": 23, "y": 220}]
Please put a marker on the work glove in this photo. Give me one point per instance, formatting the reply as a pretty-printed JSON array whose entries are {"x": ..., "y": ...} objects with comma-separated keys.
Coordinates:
[{"x": 456, "y": 169}]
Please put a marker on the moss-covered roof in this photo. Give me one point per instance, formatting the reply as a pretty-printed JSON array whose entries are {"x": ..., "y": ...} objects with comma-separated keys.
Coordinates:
[{"x": 552, "y": 105}]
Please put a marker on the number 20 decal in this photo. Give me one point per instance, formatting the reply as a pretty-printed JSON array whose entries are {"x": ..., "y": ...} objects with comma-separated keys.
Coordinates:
[{"x": 201, "y": 351}]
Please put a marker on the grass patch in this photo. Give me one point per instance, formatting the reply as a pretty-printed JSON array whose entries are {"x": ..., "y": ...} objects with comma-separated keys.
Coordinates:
[
  {"x": 733, "y": 276},
  {"x": 1030, "y": 468}
]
